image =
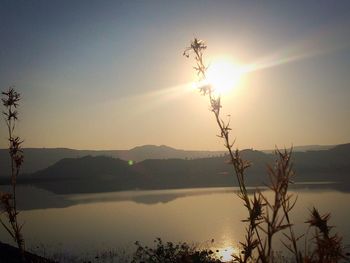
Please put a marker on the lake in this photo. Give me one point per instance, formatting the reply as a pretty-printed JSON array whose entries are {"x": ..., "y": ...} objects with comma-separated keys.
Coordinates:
[{"x": 86, "y": 223}]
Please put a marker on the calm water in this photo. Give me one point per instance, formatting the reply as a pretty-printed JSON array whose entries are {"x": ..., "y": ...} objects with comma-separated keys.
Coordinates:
[{"x": 91, "y": 222}]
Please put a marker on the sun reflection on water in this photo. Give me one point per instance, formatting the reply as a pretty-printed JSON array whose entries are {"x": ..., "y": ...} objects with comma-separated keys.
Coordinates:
[{"x": 225, "y": 254}]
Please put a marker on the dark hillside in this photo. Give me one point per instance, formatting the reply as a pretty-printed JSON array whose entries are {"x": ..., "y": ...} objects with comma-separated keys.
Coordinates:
[{"x": 100, "y": 174}]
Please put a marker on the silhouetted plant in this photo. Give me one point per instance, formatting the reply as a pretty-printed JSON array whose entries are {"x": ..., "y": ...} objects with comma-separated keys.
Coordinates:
[
  {"x": 328, "y": 248},
  {"x": 10, "y": 100},
  {"x": 266, "y": 217},
  {"x": 170, "y": 252}
]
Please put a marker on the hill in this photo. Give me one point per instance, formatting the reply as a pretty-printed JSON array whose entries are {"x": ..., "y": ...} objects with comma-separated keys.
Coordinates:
[
  {"x": 305, "y": 148},
  {"x": 40, "y": 158},
  {"x": 100, "y": 174}
]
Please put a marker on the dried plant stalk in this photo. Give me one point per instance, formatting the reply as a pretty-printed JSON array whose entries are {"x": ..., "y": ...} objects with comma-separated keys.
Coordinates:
[{"x": 10, "y": 100}]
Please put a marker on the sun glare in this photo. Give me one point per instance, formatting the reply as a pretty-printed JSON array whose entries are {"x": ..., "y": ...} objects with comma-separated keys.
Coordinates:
[{"x": 223, "y": 75}]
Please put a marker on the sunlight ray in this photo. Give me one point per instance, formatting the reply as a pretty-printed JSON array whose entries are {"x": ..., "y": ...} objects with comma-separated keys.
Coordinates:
[
  {"x": 317, "y": 44},
  {"x": 157, "y": 98}
]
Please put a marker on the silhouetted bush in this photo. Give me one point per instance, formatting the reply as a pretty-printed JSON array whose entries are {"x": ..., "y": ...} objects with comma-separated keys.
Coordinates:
[{"x": 170, "y": 252}]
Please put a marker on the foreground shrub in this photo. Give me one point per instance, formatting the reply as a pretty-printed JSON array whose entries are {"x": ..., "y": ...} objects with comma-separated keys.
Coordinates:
[{"x": 170, "y": 252}]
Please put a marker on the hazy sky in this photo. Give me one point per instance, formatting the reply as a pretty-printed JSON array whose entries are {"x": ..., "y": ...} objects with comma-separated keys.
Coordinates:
[{"x": 111, "y": 75}]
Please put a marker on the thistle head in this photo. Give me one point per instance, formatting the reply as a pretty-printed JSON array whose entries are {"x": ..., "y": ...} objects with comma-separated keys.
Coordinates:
[{"x": 10, "y": 98}]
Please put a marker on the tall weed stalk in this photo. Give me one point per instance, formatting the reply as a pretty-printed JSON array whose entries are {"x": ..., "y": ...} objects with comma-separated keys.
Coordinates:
[
  {"x": 10, "y": 100},
  {"x": 266, "y": 217}
]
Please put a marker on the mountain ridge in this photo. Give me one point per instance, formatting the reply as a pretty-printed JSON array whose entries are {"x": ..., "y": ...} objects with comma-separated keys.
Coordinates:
[
  {"x": 40, "y": 158},
  {"x": 101, "y": 173}
]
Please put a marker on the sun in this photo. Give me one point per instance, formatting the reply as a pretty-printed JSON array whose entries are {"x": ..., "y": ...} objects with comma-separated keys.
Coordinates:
[{"x": 223, "y": 75}]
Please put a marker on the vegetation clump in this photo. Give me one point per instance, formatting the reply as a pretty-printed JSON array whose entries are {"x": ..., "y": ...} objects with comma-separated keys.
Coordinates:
[{"x": 170, "y": 252}]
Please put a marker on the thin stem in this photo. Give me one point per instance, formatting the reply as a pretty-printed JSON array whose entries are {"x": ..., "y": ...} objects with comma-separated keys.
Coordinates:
[
  {"x": 237, "y": 163},
  {"x": 9, "y": 201}
]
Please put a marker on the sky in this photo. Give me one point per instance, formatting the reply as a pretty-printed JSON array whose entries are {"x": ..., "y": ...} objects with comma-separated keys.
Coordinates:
[{"x": 111, "y": 75}]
